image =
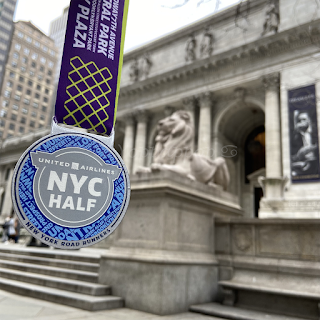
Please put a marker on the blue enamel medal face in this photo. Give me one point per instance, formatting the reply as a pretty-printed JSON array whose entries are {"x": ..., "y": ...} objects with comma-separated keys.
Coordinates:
[{"x": 70, "y": 190}]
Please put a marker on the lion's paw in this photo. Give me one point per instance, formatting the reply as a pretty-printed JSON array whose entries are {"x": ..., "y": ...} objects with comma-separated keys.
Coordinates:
[
  {"x": 156, "y": 167},
  {"x": 211, "y": 184},
  {"x": 191, "y": 177},
  {"x": 141, "y": 170}
]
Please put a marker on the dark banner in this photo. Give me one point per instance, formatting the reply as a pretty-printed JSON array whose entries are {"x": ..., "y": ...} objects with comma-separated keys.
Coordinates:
[{"x": 303, "y": 126}]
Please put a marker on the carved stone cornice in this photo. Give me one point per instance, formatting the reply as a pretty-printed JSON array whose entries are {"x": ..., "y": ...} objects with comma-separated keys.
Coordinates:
[
  {"x": 266, "y": 47},
  {"x": 272, "y": 81},
  {"x": 240, "y": 94},
  {"x": 197, "y": 27}
]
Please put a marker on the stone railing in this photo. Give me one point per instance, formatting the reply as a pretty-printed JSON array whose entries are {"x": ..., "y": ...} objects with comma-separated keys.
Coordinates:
[
  {"x": 294, "y": 239},
  {"x": 270, "y": 265}
]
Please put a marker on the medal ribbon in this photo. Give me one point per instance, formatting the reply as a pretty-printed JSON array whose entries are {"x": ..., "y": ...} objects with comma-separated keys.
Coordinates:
[{"x": 89, "y": 83}]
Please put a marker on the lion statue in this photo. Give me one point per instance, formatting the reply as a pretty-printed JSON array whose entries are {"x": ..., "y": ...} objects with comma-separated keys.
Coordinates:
[{"x": 174, "y": 152}]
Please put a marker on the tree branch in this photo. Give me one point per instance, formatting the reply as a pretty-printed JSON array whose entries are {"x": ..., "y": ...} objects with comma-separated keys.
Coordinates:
[
  {"x": 177, "y": 5},
  {"x": 200, "y": 2}
]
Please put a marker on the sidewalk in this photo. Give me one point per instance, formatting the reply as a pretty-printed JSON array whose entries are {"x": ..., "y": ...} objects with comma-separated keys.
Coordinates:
[{"x": 15, "y": 307}]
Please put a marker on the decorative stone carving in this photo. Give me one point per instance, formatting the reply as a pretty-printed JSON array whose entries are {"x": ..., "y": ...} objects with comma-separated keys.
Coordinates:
[
  {"x": 173, "y": 152},
  {"x": 240, "y": 94},
  {"x": 191, "y": 48},
  {"x": 242, "y": 15},
  {"x": 206, "y": 98},
  {"x": 134, "y": 70},
  {"x": 272, "y": 19},
  {"x": 146, "y": 65},
  {"x": 141, "y": 69},
  {"x": 206, "y": 46},
  {"x": 189, "y": 103},
  {"x": 243, "y": 239},
  {"x": 272, "y": 81}
]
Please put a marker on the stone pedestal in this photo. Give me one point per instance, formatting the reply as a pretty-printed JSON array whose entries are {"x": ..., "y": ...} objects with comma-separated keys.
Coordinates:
[
  {"x": 273, "y": 190},
  {"x": 162, "y": 259}
]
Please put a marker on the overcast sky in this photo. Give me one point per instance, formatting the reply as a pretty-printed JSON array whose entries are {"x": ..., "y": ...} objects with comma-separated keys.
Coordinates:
[{"x": 147, "y": 19}]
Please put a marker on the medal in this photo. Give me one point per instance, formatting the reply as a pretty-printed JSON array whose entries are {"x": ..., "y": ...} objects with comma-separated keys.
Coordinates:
[{"x": 72, "y": 189}]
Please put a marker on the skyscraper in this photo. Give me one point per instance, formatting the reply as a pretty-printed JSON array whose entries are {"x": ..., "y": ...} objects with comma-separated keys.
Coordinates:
[
  {"x": 28, "y": 87},
  {"x": 57, "y": 33},
  {"x": 7, "y": 8}
]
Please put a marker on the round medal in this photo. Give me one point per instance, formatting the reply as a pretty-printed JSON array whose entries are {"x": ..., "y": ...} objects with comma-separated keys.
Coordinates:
[{"x": 70, "y": 190}]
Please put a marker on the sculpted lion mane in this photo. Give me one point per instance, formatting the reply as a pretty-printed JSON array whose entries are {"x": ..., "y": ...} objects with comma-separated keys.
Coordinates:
[{"x": 174, "y": 152}]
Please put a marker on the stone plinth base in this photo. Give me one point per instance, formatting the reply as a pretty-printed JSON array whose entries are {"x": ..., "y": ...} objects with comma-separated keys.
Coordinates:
[
  {"x": 159, "y": 282},
  {"x": 273, "y": 188},
  {"x": 162, "y": 257}
]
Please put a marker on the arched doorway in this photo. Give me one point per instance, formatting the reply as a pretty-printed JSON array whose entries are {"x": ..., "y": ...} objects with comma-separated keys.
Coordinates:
[
  {"x": 255, "y": 161},
  {"x": 241, "y": 124}
]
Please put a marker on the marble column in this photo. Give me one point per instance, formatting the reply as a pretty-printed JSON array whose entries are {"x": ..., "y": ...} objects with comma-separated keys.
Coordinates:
[
  {"x": 141, "y": 140},
  {"x": 1, "y": 193},
  {"x": 128, "y": 143},
  {"x": 189, "y": 104},
  {"x": 273, "y": 184},
  {"x": 216, "y": 145},
  {"x": 7, "y": 202},
  {"x": 272, "y": 126},
  {"x": 204, "y": 138}
]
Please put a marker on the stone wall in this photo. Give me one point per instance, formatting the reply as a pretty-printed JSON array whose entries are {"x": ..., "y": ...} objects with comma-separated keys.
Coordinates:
[
  {"x": 270, "y": 265},
  {"x": 276, "y": 239}
]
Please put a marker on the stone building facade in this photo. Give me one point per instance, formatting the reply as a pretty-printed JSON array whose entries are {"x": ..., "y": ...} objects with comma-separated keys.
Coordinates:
[
  {"x": 249, "y": 78},
  {"x": 57, "y": 33},
  {"x": 232, "y": 71},
  {"x": 28, "y": 86},
  {"x": 7, "y": 9}
]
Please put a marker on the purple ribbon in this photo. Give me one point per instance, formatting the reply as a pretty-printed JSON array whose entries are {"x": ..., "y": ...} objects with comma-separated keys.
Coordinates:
[{"x": 89, "y": 81}]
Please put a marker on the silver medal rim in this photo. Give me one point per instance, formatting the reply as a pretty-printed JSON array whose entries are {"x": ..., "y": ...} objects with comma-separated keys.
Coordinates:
[{"x": 24, "y": 220}]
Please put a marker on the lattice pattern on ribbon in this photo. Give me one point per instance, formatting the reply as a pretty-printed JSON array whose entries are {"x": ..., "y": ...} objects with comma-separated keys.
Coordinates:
[{"x": 88, "y": 96}]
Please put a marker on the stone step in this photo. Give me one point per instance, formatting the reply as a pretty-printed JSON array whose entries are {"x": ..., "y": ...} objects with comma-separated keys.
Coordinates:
[
  {"x": 51, "y": 271},
  {"x": 77, "y": 300},
  {"x": 92, "y": 289},
  {"x": 280, "y": 290},
  {"x": 67, "y": 264},
  {"x": 74, "y": 255},
  {"x": 233, "y": 313}
]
